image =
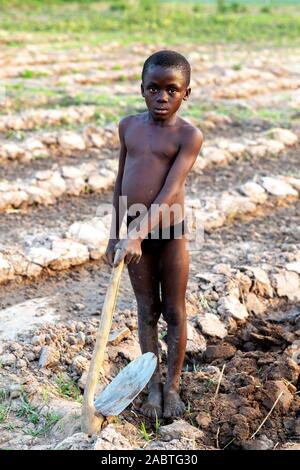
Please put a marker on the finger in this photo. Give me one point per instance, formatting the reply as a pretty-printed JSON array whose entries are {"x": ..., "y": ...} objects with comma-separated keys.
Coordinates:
[
  {"x": 129, "y": 258},
  {"x": 138, "y": 259},
  {"x": 134, "y": 258}
]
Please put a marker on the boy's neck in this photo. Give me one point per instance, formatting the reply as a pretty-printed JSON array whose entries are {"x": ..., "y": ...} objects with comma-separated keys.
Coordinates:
[{"x": 162, "y": 122}]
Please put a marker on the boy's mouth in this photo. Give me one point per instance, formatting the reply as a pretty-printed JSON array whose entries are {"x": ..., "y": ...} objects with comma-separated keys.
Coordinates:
[{"x": 161, "y": 110}]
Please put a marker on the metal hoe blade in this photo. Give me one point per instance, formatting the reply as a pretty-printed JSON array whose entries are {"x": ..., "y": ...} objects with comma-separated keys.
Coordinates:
[{"x": 126, "y": 385}]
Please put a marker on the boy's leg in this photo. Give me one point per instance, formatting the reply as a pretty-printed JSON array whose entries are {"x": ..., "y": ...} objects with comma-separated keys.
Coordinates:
[
  {"x": 174, "y": 276},
  {"x": 144, "y": 278}
]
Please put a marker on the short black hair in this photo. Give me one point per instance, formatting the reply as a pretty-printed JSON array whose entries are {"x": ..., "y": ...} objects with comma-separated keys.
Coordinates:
[{"x": 168, "y": 59}]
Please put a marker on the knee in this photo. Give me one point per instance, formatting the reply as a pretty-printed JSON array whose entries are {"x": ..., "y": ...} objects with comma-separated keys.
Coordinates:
[
  {"x": 149, "y": 313},
  {"x": 174, "y": 315}
]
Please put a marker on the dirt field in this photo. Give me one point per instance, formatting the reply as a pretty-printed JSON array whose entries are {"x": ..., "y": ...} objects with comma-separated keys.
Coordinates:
[{"x": 57, "y": 169}]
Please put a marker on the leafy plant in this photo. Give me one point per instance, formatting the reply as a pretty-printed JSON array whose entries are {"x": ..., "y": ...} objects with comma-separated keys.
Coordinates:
[
  {"x": 68, "y": 388},
  {"x": 32, "y": 74},
  {"x": 189, "y": 408},
  {"x": 157, "y": 424},
  {"x": 26, "y": 410},
  {"x": 48, "y": 421},
  {"x": 145, "y": 434},
  {"x": 204, "y": 303},
  {"x": 3, "y": 395},
  {"x": 45, "y": 393},
  {"x": 4, "y": 412}
]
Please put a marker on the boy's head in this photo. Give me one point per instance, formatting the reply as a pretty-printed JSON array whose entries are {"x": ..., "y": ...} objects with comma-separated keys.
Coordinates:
[
  {"x": 165, "y": 82},
  {"x": 168, "y": 59}
]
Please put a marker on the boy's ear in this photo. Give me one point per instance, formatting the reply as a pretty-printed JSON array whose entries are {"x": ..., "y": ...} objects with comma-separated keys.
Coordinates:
[
  {"x": 187, "y": 93},
  {"x": 142, "y": 90}
]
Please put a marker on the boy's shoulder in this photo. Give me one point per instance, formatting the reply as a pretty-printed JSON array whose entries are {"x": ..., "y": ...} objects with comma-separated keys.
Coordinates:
[
  {"x": 188, "y": 131},
  {"x": 132, "y": 118}
]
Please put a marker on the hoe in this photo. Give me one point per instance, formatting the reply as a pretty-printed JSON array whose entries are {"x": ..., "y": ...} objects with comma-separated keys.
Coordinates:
[{"x": 127, "y": 384}]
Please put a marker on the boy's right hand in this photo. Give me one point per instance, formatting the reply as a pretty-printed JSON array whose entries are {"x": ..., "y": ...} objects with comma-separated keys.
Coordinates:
[
  {"x": 129, "y": 250},
  {"x": 111, "y": 251}
]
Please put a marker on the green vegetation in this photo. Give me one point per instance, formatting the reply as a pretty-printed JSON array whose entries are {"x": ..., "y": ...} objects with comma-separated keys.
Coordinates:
[
  {"x": 48, "y": 421},
  {"x": 41, "y": 422},
  {"x": 10, "y": 427},
  {"x": 3, "y": 395},
  {"x": 157, "y": 425},
  {"x": 26, "y": 410},
  {"x": 209, "y": 384},
  {"x": 31, "y": 74},
  {"x": 204, "y": 303},
  {"x": 155, "y": 21},
  {"x": 111, "y": 107},
  {"x": 4, "y": 412},
  {"x": 144, "y": 432},
  {"x": 229, "y": 443},
  {"x": 189, "y": 408},
  {"x": 68, "y": 389}
]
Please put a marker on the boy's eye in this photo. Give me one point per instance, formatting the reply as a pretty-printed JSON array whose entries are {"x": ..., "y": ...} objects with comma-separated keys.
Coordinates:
[
  {"x": 172, "y": 91},
  {"x": 153, "y": 89}
]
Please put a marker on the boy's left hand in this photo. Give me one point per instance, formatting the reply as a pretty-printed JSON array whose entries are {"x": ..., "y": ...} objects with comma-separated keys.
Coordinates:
[{"x": 130, "y": 249}]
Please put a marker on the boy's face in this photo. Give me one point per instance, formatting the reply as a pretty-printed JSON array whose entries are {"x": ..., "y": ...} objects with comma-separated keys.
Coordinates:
[{"x": 163, "y": 90}]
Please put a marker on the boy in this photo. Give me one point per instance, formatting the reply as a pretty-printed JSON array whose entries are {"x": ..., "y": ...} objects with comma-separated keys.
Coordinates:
[{"x": 158, "y": 149}]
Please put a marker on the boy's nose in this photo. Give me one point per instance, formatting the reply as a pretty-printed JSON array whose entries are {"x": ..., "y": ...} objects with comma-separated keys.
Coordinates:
[{"x": 162, "y": 97}]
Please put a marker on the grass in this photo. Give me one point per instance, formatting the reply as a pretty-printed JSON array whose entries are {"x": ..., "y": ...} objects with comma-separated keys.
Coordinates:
[
  {"x": 87, "y": 190},
  {"x": 108, "y": 107},
  {"x": 189, "y": 408},
  {"x": 196, "y": 367},
  {"x": 48, "y": 421},
  {"x": 3, "y": 395},
  {"x": 154, "y": 21},
  {"x": 157, "y": 425},
  {"x": 144, "y": 432},
  {"x": 46, "y": 393},
  {"x": 209, "y": 385},
  {"x": 111, "y": 107},
  {"x": 32, "y": 74},
  {"x": 196, "y": 110},
  {"x": 10, "y": 426},
  {"x": 42, "y": 423},
  {"x": 68, "y": 388},
  {"x": 229, "y": 443},
  {"x": 27, "y": 411},
  {"x": 204, "y": 303},
  {"x": 242, "y": 113},
  {"x": 4, "y": 412}
]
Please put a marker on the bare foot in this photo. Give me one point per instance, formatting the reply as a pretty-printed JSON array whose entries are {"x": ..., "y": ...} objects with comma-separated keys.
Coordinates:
[
  {"x": 173, "y": 405},
  {"x": 153, "y": 406}
]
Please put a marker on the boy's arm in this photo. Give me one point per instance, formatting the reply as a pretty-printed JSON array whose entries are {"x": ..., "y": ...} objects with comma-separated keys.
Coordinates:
[
  {"x": 119, "y": 209},
  {"x": 190, "y": 147}
]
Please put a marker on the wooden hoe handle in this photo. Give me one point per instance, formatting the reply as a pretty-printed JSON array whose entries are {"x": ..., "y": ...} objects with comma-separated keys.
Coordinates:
[{"x": 90, "y": 421}]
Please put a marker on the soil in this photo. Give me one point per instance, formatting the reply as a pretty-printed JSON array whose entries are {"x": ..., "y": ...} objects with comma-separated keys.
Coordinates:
[{"x": 255, "y": 354}]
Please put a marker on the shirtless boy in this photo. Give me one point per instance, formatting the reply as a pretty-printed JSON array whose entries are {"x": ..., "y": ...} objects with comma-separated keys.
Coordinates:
[{"x": 158, "y": 149}]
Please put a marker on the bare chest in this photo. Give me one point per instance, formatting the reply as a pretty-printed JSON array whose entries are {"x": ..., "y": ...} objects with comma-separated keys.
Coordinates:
[{"x": 161, "y": 143}]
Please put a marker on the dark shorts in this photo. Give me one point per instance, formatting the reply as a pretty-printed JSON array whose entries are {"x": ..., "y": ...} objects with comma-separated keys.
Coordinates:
[{"x": 159, "y": 236}]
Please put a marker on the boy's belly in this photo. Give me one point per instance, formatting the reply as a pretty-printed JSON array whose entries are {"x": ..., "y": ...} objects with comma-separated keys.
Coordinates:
[
  {"x": 143, "y": 179},
  {"x": 142, "y": 183}
]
